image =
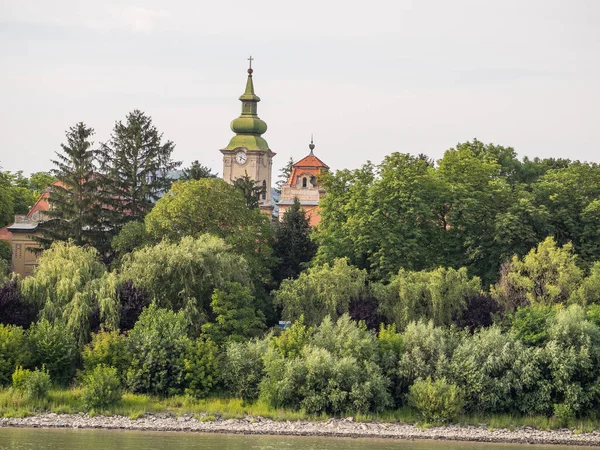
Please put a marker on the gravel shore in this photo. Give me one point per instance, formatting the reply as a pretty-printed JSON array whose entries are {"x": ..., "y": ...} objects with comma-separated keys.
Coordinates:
[{"x": 333, "y": 427}]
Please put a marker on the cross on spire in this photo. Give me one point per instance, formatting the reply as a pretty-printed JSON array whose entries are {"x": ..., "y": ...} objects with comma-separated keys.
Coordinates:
[{"x": 251, "y": 59}]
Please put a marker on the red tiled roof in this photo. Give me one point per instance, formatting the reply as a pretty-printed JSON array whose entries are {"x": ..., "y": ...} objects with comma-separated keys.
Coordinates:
[{"x": 311, "y": 161}]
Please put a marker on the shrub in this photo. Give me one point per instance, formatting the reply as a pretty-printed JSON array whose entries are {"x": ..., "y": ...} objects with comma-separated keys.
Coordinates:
[
  {"x": 243, "y": 368},
  {"x": 334, "y": 372},
  {"x": 107, "y": 348},
  {"x": 427, "y": 353},
  {"x": 437, "y": 401},
  {"x": 391, "y": 347},
  {"x": 53, "y": 346},
  {"x": 13, "y": 351},
  {"x": 488, "y": 366},
  {"x": 201, "y": 368},
  {"x": 157, "y": 346},
  {"x": 101, "y": 387},
  {"x": 34, "y": 384},
  {"x": 530, "y": 324}
]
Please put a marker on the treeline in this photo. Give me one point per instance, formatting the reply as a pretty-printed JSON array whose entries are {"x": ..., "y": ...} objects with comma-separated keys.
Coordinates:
[
  {"x": 470, "y": 284},
  {"x": 476, "y": 207}
]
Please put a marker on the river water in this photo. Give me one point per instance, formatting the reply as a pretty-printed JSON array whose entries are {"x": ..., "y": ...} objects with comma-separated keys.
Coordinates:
[{"x": 66, "y": 439}]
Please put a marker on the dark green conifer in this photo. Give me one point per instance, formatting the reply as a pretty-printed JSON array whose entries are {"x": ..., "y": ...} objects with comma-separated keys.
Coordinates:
[
  {"x": 76, "y": 211},
  {"x": 136, "y": 165},
  {"x": 293, "y": 246}
]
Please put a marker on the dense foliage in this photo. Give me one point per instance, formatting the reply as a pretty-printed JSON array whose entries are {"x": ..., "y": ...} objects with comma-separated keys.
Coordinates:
[{"x": 470, "y": 284}]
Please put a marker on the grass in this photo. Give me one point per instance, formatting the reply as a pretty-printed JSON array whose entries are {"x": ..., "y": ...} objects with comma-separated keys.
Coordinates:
[{"x": 15, "y": 405}]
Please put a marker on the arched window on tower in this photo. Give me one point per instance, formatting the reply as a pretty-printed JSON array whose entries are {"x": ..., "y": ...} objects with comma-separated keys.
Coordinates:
[
  {"x": 264, "y": 190},
  {"x": 304, "y": 182}
]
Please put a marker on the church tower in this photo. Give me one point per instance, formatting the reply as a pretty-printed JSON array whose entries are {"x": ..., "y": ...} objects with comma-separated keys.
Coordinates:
[{"x": 248, "y": 152}]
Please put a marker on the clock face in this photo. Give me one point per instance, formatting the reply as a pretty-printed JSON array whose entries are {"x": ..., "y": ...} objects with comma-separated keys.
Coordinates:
[{"x": 240, "y": 157}]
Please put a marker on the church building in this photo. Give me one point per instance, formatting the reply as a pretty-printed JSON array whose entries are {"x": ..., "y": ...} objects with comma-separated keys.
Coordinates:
[
  {"x": 248, "y": 152},
  {"x": 304, "y": 185}
]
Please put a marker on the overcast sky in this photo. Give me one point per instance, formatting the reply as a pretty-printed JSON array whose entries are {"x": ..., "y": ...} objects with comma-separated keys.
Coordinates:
[{"x": 367, "y": 78}]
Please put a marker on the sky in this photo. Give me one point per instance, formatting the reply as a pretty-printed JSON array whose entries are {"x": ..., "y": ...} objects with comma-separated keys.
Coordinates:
[{"x": 366, "y": 78}]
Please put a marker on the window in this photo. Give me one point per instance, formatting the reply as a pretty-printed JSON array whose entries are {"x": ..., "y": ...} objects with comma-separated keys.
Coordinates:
[
  {"x": 264, "y": 190},
  {"x": 304, "y": 181}
]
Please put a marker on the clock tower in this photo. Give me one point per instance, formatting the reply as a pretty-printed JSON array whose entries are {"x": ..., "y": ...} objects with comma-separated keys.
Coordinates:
[{"x": 248, "y": 152}]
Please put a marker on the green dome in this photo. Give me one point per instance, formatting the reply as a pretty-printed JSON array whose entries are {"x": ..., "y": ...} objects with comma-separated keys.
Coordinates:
[{"x": 248, "y": 125}]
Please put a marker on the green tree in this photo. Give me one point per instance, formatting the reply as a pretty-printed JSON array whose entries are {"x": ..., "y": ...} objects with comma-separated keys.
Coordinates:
[
  {"x": 196, "y": 171},
  {"x": 39, "y": 181},
  {"x": 324, "y": 290},
  {"x": 250, "y": 189},
  {"x": 183, "y": 275},
  {"x": 6, "y": 200},
  {"x": 236, "y": 316},
  {"x": 292, "y": 245},
  {"x": 23, "y": 197},
  {"x": 546, "y": 275},
  {"x": 439, "y": 295},
  {"x": 69, "y": 285},
  {"x": 157, "y": 347},
  {"x": 211, "y": 205},
  {"x": 136, "y": 164},
  {"x": 284, "y": 175},
  {"x": 133, "y": 235},
  {"x": 76, "y": 206}
]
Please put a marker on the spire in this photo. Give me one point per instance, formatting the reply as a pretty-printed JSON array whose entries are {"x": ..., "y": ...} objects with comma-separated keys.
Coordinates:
[
  {"x": 249, "y": 127},
  {"x": 312, "y": 145}
]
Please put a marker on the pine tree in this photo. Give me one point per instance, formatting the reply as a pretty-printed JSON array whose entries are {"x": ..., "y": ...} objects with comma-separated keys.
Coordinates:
[
  {"x": 251, "y": 191},
  {"x": 136, "y": 166},
  {"x": 293, "y": 246},
  {"x": 75, "y": 203},
  {"x": 196, "y": 171},
  {"x": 284, "y": 175}
]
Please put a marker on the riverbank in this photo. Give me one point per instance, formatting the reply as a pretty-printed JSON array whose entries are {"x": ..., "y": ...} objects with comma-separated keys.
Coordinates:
[{"x": 346, "y": 427}]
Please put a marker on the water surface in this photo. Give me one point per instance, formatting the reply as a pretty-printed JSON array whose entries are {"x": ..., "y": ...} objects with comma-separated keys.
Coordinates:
[{"x": 68, "y": 439}]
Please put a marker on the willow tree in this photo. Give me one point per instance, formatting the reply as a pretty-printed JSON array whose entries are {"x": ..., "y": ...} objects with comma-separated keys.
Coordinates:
[
  {"x": 69, "y": 286},
  {"x": 321, "y": 291},
  {"x": 183, "y": 275},
  {"x": 439, "y": 295}
]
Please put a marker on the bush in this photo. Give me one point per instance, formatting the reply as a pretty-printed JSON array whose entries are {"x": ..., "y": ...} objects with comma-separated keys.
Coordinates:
[
  {"x": 107, "y": 348},
  {"x": 335, "y": 372},
  {"x": 488, "y": 366},
  {"x": 427, "y": 353},
  {"x": 53, "y": 346},
  {"x": 13, "y": 351},
  {"x": 437, "y": 401},
  {"x": 101, "y": 387},
  {"x": 157, "y": 346},
  {"x": 201, "y": 368},
  {"x": 243, "y": 368},
  {"x": 133, "y": 301},
  {"x": 34, "y": 384},
  {"x": 530, "y": 324}
]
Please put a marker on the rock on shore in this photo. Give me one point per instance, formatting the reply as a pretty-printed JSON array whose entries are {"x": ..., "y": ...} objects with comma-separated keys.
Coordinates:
[{"x": 333, "y": 427}]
